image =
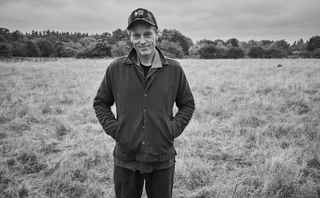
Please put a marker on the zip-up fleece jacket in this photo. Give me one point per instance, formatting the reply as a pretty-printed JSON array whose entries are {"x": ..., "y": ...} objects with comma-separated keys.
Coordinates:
[{"x": 144, "y": 127}]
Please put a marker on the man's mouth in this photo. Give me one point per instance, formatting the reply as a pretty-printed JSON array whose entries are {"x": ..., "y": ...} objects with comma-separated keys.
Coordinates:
[{"x": 143, "y": 47}]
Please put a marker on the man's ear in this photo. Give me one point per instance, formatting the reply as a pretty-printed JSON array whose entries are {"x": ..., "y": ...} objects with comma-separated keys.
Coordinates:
[{"x": 128, "y": 31}]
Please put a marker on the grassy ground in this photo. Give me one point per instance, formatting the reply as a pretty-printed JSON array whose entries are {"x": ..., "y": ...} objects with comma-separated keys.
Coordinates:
[{"x": 255, "y": 131}]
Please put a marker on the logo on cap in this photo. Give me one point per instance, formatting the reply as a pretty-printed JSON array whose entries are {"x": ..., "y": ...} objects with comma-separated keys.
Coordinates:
[{"x": 139, "y": 12}]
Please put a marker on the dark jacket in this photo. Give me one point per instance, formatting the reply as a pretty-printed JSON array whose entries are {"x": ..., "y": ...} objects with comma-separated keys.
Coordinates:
[{"x": 145, "y": 127}]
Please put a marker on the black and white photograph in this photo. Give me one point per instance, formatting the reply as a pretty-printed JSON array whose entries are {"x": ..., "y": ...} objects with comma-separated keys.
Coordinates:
[{"x": 159, "y": 99}]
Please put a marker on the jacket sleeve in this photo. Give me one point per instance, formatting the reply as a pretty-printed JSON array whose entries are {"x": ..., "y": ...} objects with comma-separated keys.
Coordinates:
[
  {"x": 102, "y": 103},
  {"x": 186, "y": 106}
]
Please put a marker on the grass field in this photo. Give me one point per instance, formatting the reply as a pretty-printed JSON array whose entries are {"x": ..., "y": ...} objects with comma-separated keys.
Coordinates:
[{"x": 255, "y": 131}]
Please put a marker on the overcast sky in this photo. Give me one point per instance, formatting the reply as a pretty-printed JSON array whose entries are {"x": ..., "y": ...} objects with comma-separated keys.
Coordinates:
[{"x": 196, "y": 19}]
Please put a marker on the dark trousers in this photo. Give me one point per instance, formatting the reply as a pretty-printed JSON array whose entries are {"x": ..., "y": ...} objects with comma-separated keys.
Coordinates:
[{"x": 129, "y": 184}]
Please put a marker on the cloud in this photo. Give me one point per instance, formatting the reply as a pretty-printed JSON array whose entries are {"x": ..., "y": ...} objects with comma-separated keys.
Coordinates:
[{"x": 245, "y": 19}]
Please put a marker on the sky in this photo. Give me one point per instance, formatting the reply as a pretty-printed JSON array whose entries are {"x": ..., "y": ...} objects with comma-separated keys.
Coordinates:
[{"x": 198, "y": 19}]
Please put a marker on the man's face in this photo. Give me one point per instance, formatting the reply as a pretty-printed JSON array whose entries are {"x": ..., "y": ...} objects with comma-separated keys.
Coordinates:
[{"x": 143, "y": 38}]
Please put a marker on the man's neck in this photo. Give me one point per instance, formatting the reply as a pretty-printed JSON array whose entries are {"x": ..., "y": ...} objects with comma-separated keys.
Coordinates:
[{"x": 147, "y": 60}]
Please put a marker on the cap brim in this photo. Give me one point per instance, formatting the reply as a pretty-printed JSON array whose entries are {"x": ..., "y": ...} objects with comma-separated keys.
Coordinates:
[{"x": 139, "y": 19}]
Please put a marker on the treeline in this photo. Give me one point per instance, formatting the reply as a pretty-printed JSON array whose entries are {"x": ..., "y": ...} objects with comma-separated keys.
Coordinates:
[
  {"x": 172, "y": 42},
  {"x": 234, "y": 49}
]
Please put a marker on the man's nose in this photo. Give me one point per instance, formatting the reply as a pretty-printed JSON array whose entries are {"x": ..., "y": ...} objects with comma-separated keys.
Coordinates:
[{"x": 142, "y": 40}]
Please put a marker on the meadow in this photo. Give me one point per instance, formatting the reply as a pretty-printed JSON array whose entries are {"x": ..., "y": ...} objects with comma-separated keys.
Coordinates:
[{"x": 255, "y": 131}]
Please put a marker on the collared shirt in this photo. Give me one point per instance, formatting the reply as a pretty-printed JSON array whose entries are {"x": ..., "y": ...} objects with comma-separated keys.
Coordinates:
[
  {"x": 156, "y": 63},
  {"x": 141, "y": 166}
]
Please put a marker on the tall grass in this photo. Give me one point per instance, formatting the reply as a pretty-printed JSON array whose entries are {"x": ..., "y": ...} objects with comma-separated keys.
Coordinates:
[{"x": 255, "y": 131}]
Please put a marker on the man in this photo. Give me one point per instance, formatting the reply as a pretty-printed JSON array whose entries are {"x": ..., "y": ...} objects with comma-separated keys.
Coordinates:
[{"x": 144, "y": 87}]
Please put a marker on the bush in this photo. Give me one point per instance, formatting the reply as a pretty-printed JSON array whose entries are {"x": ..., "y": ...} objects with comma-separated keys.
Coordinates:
[
  {"x": 207, "y": 51},
  {"x": 234, "y": 53},
  {"x": 274, "y": 53},
  {"x": 99, "y": 50},
  {"x": 210, "y": 51},
  {"x": 67, "y": 52},
  {"x": 5, "y": 50},
  {"x": 256, "y": 52},
  {"x": 304, "y": 54},
  {"x": 316, "y": 53}
]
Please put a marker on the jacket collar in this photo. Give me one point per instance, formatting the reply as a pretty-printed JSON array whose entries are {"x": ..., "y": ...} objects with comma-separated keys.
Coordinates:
[{"x": 158, "y": 61}]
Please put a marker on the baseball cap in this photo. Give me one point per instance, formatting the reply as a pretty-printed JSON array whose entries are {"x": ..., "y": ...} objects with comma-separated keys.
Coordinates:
[{"x": 141, "y": 14}]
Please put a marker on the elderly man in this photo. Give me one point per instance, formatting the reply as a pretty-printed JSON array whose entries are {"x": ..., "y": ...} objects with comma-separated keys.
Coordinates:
[{"x": 144, "y": 87}]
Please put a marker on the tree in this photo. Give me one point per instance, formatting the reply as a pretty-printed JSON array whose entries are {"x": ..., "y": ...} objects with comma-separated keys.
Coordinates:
[
  {"x": 316, "y": 53},
  {"x": 53, "y": 39},
  {"x": 266, "y": 42},
  {"x": 105, "y": 36},
  {"x": 3, "y": 39},
  {"x": 171, "y": 49},
  {"x": 229, "y": 46},
  {"x": 34, "y": 34},
  {"x": 46, "y": 47},
  {"x": 67, "y": 52},
  {"x": 102, "y": 50},
  {"x": 234, "y": 53},
  {"x": 98, "y": 50},
  {"x": 221, "y": 45},
  {"x": 118, "y": 35},
  {"x": 274, "y": 53},
  {"x": 217, "y": 41},
  {"x": 32, "y": 49},
  {"x": 233, "y": 41},
  {"x": 313, "y": 43},
  {"x": 205, "y": 41},
  {"x": 299, "y": 46},
  {"x": 252, "y": 43},
  {"x": 304, "y": 54},
  {"x": 6, "y": 33},
  {"x": 48, "y": 33},
  {"x": 18, "y": 49},
  {"x": 256, "y": 52},
  {"x": 194, "y": 51},
  {"x": 210, "y": 51},
  {"x": 173, "y": 35},
  {"x": 281, "y": 45},
  {"x": 58, "y": 49},
  {"x": 86, "y": 41},
  {"x": 120, "y": 49},
  {"x": 5, "y": 50},
  {"x": 16, "y": 35}
]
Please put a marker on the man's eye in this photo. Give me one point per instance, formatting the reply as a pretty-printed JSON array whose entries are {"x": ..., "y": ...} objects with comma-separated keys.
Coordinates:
[
  {"x": 148, "y": 34},
  {"x": 136, "y": 36}
]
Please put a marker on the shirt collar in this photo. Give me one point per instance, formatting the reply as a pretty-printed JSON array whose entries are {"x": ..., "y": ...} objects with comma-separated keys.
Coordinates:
[{"x": 158, "y": 61}]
